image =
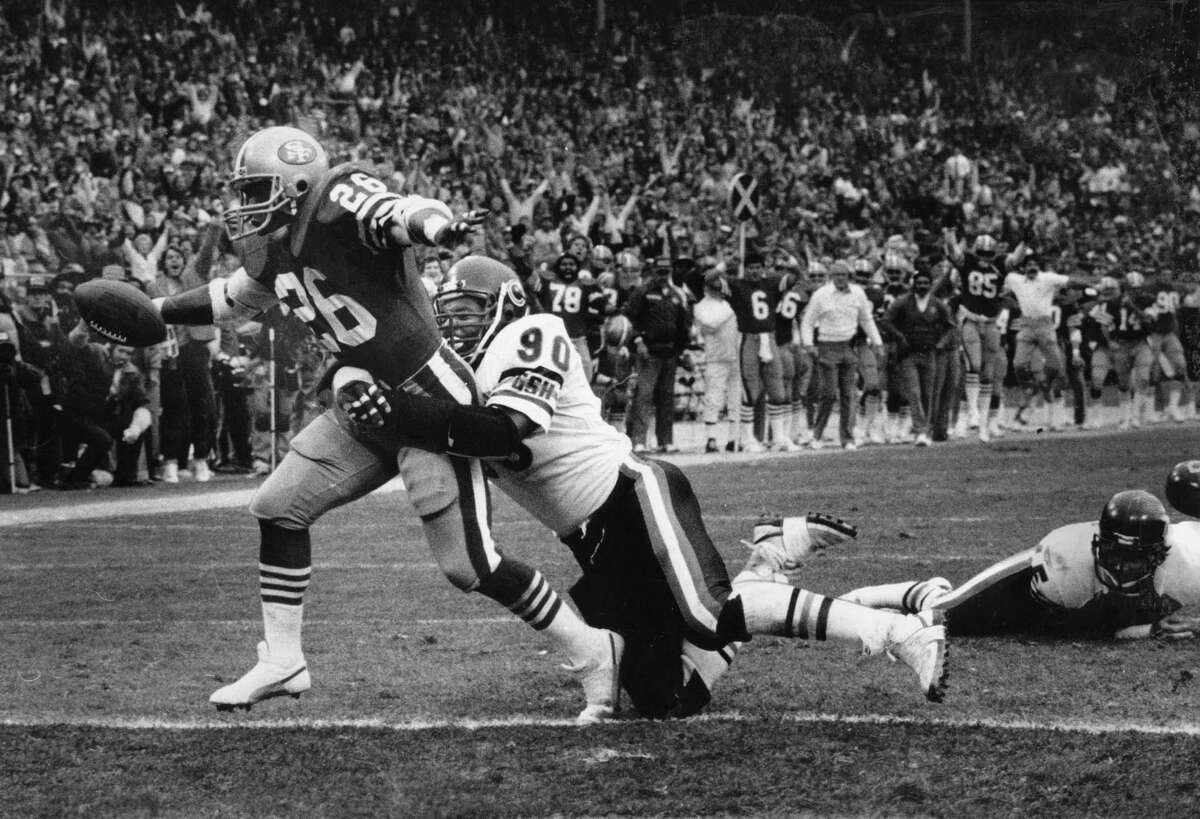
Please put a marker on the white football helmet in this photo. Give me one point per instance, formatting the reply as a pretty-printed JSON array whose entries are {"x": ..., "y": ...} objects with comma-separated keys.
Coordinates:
[{"x": 274, "y": 170}]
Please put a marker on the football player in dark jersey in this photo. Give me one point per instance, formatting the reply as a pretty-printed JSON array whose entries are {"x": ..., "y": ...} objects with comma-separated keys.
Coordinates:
[
  {"x": 797, "y": 367},
  {"x": 980, "y": 281},
  {"x": 872, "y": 363},
  {"x": 755, "y": 300},
  {"x": 335, "y": 248},
  {"x": 580, "y": 305},
  {"x": 896, "y": 404},
  {"x": 1125, "y": 351},
  {"x": 1169, "y": 361}
]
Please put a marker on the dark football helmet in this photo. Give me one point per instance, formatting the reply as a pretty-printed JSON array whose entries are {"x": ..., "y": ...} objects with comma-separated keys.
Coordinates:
[
  {"x": 1183, "y": 488},
  {"x": 480, "y": 298},
  {"x": 274, "y": 170},
  {"x": 1132, "y": 541}
]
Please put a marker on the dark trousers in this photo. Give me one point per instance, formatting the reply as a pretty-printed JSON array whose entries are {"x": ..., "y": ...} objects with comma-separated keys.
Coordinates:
[
  {"x": 96, "y": 445},
  {"x": 632, "y": 585},
  {"x": 922, "y": 372},
  {"x": 126, "y": 471},
  {"x": 655, "y": 389},
  {"x": 235, "y": 424},
  {"x": 947, "y": 376},
  {"x": 837, "y": 365},
  {"x": 189, "y": 408}
]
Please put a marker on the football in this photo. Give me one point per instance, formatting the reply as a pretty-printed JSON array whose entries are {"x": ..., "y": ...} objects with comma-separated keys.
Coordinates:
[{"x": 120, "y": 312}]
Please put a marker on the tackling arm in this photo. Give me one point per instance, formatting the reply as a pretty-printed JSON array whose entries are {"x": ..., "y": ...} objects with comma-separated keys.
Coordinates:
[{"x": 433, "y": 424}]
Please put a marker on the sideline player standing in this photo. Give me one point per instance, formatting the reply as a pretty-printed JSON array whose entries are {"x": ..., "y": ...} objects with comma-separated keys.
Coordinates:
[
  {"x": 981, "y": 298},
  {"x": 334, "y": 246},
  {"x": 650, "y": 569},
  {"x": 755, "y": 300}
]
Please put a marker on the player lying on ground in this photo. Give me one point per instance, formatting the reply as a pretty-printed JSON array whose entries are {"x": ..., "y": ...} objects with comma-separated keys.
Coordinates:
[
  {"x": 1129, "y": 575},
  {"x": 334, "y": 247},
  {"x": 651, "y": 572}
]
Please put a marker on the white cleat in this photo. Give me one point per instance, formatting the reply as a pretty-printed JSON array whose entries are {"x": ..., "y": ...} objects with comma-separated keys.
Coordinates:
[
  {"x": 601, "y": 679},
  {"x": 782, "y": 544},
  {"x": 753, "y": 445},
  {"x": 920, "y": 643},
  {"x": 787, "y": 445},
  {"x": 265, "y": 680}
]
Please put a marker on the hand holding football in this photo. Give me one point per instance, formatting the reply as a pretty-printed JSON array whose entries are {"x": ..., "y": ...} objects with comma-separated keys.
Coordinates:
[{"x": 120, "y": 312}]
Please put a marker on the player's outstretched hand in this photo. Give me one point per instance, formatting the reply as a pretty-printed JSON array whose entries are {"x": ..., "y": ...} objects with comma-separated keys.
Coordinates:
[
  {"x": 460, "y": 227},
  {"x": 365, "y": 403},
  {"x": 1180, "y": 625}
]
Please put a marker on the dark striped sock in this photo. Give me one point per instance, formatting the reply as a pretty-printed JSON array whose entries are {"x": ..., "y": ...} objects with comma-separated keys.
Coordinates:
[
  {"x": 283, "y": 585},
  {"x": 539, "y": 604}
]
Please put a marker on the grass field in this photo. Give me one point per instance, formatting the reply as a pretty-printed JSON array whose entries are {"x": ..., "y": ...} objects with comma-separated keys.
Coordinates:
[{"x": 116, "y": 622}]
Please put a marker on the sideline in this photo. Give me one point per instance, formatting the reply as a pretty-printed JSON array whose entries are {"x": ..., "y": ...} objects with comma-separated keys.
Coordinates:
[{"x": 113, "y": 508}]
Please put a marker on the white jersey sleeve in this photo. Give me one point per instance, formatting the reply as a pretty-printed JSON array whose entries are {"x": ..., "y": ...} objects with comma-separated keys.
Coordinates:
[
  {"x": 574, "y": 457},
  {"x": 526, "y": 367}
]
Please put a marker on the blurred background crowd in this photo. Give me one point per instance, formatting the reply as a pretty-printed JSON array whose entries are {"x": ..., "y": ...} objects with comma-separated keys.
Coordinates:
[{"x": 603, "y": 138}]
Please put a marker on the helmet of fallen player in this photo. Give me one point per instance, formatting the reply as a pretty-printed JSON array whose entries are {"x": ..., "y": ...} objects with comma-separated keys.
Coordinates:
[
  {"x": 1131, "y": 542},
  {"x": 1183, "y": 488},
  {"x": 272, "y": 173},
  {"x": 480, "y": 298},
  {"x": 566, "y": 268}
]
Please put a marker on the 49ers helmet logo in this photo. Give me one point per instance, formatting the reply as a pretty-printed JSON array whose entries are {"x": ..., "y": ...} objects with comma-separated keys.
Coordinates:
[{"x": 297, "y": 152}]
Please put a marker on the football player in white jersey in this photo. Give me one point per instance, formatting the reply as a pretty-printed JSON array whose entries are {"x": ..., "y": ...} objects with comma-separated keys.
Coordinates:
[
  {"x": 651, "y": 572},
  {"x": 1129, "y": 575}
]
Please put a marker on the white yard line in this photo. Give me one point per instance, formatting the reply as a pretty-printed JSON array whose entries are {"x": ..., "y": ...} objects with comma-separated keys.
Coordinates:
[
  {"x": 842, "y": 557},
  {"x": 112, "y": 508},
  {"x": 254, "y": 621},
  {"x": 1092, "y": 727}
]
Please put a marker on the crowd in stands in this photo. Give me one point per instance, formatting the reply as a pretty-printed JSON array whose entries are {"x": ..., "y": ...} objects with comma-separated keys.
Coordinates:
[{"x": 605, "y": 159}]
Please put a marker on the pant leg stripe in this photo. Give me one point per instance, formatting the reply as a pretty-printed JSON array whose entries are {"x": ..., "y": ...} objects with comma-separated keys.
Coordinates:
[
  {"x": 472, "y": 500},
  {"x": 665, "y": 536},
  {"x": 823, "y": 617}
]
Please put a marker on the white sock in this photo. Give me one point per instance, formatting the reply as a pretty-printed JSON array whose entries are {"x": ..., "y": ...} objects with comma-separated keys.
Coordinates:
[
  {"x": 786, "y": 611},
  {"x": 282, "y": 626}
]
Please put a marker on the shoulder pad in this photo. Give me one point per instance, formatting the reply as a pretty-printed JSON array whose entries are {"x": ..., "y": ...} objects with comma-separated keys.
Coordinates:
[{"x": 312, "y": 202}]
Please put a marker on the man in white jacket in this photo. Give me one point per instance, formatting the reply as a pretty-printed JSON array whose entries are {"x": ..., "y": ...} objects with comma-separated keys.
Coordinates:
[{"x": 722, "y": 379}]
